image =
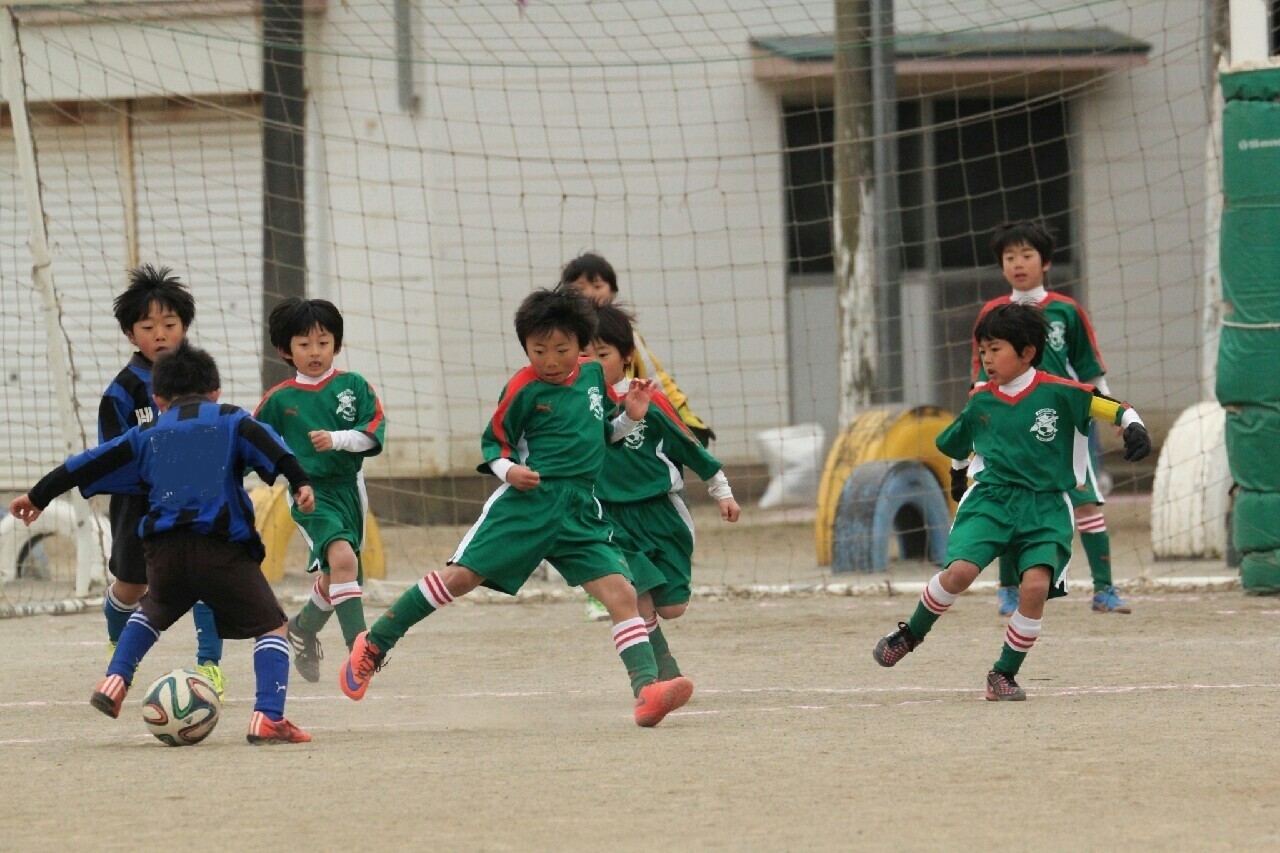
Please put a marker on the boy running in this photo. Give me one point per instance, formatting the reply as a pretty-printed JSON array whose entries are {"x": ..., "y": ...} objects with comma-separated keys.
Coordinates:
[
  {"x": 332, "y": 419},
  {"x": 197, "y": 533},
  {"x": 546, "y": 442},
  {"x": 1021, "y": 427},
  {"x": 154, "y": 312}
]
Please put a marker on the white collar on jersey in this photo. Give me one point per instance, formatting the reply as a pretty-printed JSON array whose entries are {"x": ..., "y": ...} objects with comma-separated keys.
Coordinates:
[
  {"x": 303, "y": 379},
  {"x": 1017, "y": 386},
  {"x": 1034, "y": 295},
  {"x": 622, "y": 386}
]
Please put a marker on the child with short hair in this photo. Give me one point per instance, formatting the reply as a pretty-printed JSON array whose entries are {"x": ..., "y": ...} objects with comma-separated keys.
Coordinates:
[
  {"x": 1021, "y": 427},
  {"x": 640, "y": 487},
  {"x": 546, "y": 442},
  {"x": 333, "y": 420},
  {"x": 154, "y": 312},
  {"x": 1024, "y": 252},
  {"x": 198, "y": 533}
]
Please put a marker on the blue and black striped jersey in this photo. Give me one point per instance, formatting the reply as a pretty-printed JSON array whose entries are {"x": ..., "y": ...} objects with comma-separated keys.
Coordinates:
[
  {"x": 127, "y": 401},
  {"x": 190, "y": 463}
]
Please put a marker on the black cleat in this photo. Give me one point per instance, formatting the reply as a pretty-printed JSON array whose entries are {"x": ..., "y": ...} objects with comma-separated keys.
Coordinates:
[
  {"x": 895, "y": 646},
  {"x": 307, "y": 653}
]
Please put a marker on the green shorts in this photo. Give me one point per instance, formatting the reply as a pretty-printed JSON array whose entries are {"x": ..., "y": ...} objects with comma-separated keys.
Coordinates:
[
  {"x": 1033, "y": 528},
  {"x": 559, "y": 521},
  {"x": 657, "y": 538},
  {"x": 339, "y": 514}
]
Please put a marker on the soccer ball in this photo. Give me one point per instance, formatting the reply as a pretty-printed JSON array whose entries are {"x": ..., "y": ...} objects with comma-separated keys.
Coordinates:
[{"x": 181, "y": 708}]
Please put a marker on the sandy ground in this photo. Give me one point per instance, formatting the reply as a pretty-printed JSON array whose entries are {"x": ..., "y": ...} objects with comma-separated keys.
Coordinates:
[{"x": 508, "y": 727}]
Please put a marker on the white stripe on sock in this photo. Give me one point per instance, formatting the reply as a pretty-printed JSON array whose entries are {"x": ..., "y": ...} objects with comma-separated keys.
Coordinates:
[
  {"x": 342, "y": 592},
  {"x": 318, "y": 598},
  {"x": 1022, "y": 632},
  {"x": 628, "y": 633},
  {"x": 434, "y": 591}
]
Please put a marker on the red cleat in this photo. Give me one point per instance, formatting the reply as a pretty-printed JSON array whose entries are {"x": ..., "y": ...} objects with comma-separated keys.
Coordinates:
[
  {"x": 660, "y": 698},
  {"x": 265, "y": 730},
  {"x": 109, "y": 695},
  {"x": 358, "y": 669}
]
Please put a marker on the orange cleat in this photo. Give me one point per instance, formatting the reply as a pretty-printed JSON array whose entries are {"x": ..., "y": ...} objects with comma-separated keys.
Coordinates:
[
  {"x": 262, "y": 729},
  {"x": 660, "y": 698},
  {"x": 109, "y": 695},
  {"x": 358, "y": 669}
]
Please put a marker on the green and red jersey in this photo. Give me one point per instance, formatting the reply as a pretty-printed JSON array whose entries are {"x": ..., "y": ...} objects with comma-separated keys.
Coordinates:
[{"x": 341, "y": 401}]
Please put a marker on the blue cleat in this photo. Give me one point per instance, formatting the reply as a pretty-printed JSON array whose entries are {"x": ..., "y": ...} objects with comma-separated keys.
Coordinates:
[
  {"x": 1109, "y": 601},
  {"x": 1008, "y": 599}
]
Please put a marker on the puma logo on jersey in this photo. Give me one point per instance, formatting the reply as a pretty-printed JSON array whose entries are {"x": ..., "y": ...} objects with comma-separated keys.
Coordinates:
[
  {"x": 144, "y": 416},
  {"x": 1046, "y": 425},
  {"x": 542, "y": 407},
  {"x": 291, "y": 413}
]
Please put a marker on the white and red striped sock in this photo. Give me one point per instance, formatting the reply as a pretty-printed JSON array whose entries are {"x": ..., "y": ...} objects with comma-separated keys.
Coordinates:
[
  {"x": 340, "y": 593},
  {"x": 651, "y": 625},
  {"x": 434, "y": 591},
  {"x": 629, "y": 632},
  {"x": 936, "y": 599},
  {"x": 319, "y": 598},
  {"x": 1022, "y": 632},
  {"x": 1092, "y": 524}
]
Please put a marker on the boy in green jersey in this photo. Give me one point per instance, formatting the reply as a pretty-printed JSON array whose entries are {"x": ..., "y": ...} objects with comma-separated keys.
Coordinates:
[
  {"x": 1021, "y": 427},
  {"x": 546, "y": 442},
  {"x": 332, "y": 420},
  {"x": 640, "y": 486},
  {"x": 1024, "y": 251}
]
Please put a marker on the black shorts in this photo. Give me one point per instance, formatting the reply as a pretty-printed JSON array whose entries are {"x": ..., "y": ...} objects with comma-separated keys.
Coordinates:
[
  {"x": 127, "y": 562},
  {"x": 186, "y": 567}
]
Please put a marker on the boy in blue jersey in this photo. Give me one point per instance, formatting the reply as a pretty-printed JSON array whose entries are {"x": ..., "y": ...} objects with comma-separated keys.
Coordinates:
[
  {"x": 1021, "y": 429},
  {"x": 154, "y": 312},
  {"x": 546, "y": 442},
  {"x": 197, "y": 534}
]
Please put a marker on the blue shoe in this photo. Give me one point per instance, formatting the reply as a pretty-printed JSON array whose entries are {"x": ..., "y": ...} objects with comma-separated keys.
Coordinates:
[
  {"x": 1008, "y": 600},
  {"x": 1109, "y": 601}
]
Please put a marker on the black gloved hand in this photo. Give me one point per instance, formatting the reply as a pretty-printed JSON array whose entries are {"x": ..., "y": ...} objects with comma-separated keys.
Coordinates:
[
  {"x": 704, "y": 436},
  {"x": 1137, "y": 443},
  {"x": 959, "y": 482}
]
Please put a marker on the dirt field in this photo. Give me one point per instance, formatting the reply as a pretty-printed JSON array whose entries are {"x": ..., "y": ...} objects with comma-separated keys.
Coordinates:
[{"x": 509, "y": 728}]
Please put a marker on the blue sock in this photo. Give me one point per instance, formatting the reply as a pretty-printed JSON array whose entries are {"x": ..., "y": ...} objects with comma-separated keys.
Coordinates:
[
  {"x": 117, "y": 614},
  {"x": 208, "y": 643},
  {"x": 136, "y": 640},
  {"x": 271, "y": 667}
]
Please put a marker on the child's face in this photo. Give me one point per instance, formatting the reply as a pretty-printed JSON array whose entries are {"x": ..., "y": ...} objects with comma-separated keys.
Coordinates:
[
  {"x": 160, "y": 331},
  {"x": 1002, "y": 362},
  {"x": 553, "y": 356},
  {"x": 312, "y": 354},
  {"x": 615, "y": 366},
  {"x": 1023, "y": 267},
  {"x": 597, "y": 289}
]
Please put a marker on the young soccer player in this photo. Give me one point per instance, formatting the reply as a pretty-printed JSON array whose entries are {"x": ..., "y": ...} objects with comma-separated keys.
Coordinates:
[
  {"x": 1021, "y": 427},
  {"x": 546, "y": 442},
  {"x": 1024, "y": 252},
  {"x": 197, "y": 533},
  {"x": 154, "y": 312},
  {"x": 333, "y": 421},
  {"x": 640, "y": 486},
  {"x": 595, "y": 278}
]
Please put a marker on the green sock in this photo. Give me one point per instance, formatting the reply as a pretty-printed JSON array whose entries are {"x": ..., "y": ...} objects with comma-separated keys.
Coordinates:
[
  {"x": 1009, "y": 661},
  {"x": 922, "y": 620},
  {"x": 1098, "y": 548},
  {"x": 667, "y": 666},
  {"x": 1008, "y": 571},
  {"x": 409, "y": 609},
  {"x": 351, "y": 618},
  {"x": 311, "y": 618},
  {"x": 641, "y": 667}
]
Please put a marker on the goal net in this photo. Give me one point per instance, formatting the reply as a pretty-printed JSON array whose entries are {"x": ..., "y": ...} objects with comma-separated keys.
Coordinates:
[{"x": 452, "y": 156}]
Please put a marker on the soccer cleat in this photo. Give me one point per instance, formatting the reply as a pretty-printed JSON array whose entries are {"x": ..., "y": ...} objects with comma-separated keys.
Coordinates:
[
  {"x": 262, "y": 730},
  {"x": 595, "y": 611},
  {"x": 213, "y": 672},
  {"x": 1109, "y": 601},
  {"x": 358, "y": 669},
  {"x": 307, "y": 653},
  {"x": 109, "y": 695},
  {"x": 1007, "y": 600},
  {"x": 659, "y": 698},
  {"x": 1002, "y": 688},
  {"x": 895, "y": 646}
]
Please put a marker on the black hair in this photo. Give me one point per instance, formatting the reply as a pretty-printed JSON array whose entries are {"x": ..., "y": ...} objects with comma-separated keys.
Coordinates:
[
  {"x": 556, "y": 310},
  {"x": 1027, "y": 232},
  {"x": 294, "y": 317},
  {"x": 613, "y": 327},
  {"x": 184, "y": 372},
  {"x": 1020, "y": 324},
  {"x": 147, "y": 285},
  {"x": 593, "y": 266}
]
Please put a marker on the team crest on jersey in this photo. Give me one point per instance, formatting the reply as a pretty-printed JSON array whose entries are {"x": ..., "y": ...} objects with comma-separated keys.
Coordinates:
[
  {"x": 1046, "y": 425},
  {"x": 596, "y": 401},
  {"x": 1057, "y": 335},
  {"x": 347, "y": 404},
  {"x": 144, "y": 416},
  {"x": 635, "y": 439}
]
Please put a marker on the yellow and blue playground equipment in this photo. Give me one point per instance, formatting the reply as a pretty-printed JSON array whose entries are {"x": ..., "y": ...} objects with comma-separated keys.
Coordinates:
[
  {"x": 883, "y": 477},
  {"x": 276, "y": 527}
]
